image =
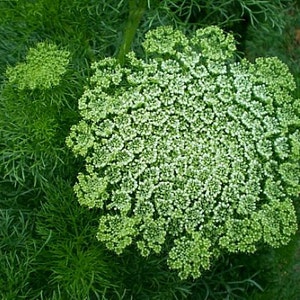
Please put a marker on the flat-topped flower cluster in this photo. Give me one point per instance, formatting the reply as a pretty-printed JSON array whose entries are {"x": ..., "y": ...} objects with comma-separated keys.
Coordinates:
[
  {"x": 189, "y": 151},
  {"x": 44, "y": 66}
]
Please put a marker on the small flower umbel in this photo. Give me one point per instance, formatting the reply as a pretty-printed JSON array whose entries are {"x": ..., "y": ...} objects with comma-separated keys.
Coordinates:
[
  {"x": 45, "y": 64},
  {"x": 190, "y": 147}
]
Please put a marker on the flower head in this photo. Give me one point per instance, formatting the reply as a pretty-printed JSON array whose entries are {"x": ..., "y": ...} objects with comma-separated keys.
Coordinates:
[{"x": 191, "y": 147}]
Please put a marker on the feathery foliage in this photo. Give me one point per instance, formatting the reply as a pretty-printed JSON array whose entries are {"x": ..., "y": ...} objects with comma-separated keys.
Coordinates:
[
  {"x": 70, "y": 263},
  {"x": 35, "y": 104},
  {"x": 16, "y": 258}
]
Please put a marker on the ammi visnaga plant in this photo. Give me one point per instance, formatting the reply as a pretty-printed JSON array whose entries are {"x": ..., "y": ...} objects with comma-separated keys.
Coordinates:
[{"x": 188, "y": 151}]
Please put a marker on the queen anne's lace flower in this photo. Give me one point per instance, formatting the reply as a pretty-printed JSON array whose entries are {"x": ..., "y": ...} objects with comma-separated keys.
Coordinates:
[{"x": 189, "y": 150}]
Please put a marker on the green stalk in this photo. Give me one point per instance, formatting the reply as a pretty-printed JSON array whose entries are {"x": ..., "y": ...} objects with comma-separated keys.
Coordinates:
[{"x": 136, "y": 11}]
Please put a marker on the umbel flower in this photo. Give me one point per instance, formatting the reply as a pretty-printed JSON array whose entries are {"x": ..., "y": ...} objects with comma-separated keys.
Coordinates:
[
  {"x": 44, "y": 66},
  {"x": 188, "y": 151}
]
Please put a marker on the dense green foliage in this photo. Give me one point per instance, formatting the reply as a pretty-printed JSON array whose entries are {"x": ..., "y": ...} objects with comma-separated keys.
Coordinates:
[
  {"x": 16, "y": 258},
  {"x": 48, "y": 245},
  {"x": 35, "y": 104},
  {"x": 190, "y": 149}
]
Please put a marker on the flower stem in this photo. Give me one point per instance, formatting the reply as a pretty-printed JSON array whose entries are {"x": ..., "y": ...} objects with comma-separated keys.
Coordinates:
[{"x": 136, "y": 11}]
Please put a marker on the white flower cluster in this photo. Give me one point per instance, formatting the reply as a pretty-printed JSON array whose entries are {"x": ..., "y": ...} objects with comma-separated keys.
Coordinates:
[{"x": 189, "y": 147}]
